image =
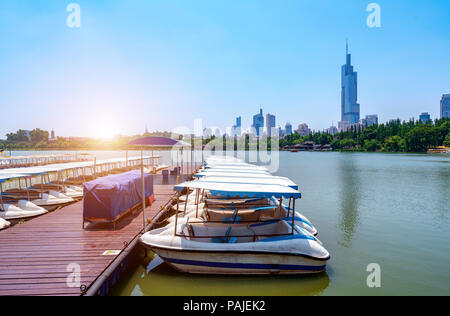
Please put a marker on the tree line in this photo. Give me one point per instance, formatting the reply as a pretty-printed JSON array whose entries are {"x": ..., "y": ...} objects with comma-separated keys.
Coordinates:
[{"x": 394, "y": 136}]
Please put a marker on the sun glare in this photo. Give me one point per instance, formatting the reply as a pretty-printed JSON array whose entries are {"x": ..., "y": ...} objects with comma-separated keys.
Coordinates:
[{"x": 106, "y": 132}]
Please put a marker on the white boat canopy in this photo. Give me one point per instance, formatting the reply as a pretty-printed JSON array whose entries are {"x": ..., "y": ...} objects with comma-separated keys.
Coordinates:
[
  {"x": 233, "y": 190},
  {"x": 236, "y": 170},
  {"x": 6, "y": 177},
  {"x": 236, "y": 166},
  {"x": 223, "y": 159},
  {"x": 265, "y": 181},
  {"x": 68, "y": 166},
  {"x": 233, "y": 173}
]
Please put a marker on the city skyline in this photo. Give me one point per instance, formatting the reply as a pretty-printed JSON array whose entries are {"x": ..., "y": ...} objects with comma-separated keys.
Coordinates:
[{"x": 115, "y": 75}]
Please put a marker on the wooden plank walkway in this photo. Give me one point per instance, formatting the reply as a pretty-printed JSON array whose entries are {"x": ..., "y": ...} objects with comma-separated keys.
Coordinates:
[{"x": 34, "y": 256}]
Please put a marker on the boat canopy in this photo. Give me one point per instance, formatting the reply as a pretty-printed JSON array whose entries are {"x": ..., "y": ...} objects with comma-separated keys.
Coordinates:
[
  {"x": 232, "y": 190},
  {"x": 236, "y": 170},
  {"x": 223, "y": 158},
  {"x": 236, "y": 166},
  {"x": 213, "y": 173},
  {"x": 264, "y": 181},
  {"x": 69, "y": 166},
  {"x": 6, "y": 177}
]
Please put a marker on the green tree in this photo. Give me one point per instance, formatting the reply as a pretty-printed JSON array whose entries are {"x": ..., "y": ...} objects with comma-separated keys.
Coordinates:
[
  {"x": 324, "y": 138},
  {"x": 19, "y": 136},
  {"x": 347, "y": 143},
  {"x": 421, "y": 138},
  {"x": 447, "y": 140},
  {"x": 394, "y": 144},
  {"x": 372, "y": 145},
  {"x": 37, "y": 135}
]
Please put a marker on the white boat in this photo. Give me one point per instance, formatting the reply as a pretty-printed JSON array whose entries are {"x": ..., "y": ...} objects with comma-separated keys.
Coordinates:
[
  {"x": 4, "y": 224},
  {"x": 53, "y": 200},
  {"x": 261, "y": 248},
  {"x": 72, "y": 193},
  {"x": 277, "y": 246},
  {"x": 23, "y": 210},
  {"x": 50, "y": 201}
]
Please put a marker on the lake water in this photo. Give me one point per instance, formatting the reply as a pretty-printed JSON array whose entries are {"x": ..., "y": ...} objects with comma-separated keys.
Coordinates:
[{"x": 389, "y": 209}]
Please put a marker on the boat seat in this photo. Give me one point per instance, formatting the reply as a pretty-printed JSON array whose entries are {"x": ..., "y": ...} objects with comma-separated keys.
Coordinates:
[
  {"x": 225, "y": 239},
  {"x": 234, "y": 219}
]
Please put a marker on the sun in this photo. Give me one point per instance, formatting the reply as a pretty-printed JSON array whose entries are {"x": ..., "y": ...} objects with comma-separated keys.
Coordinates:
[{"x": 105, "y": 131}]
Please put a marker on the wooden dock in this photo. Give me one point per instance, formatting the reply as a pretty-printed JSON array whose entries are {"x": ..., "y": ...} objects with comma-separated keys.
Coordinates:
[{"x": 38, "y": 256}]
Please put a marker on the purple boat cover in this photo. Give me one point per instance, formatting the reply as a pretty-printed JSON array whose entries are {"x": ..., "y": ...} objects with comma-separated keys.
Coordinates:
[{"x": 109, "y": 197}]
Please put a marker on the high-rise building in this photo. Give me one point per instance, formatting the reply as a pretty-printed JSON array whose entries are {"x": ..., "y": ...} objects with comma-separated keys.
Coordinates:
[
  {"x": 270, "y": 123},
  {"x": 236, "y": 131},
  {"x": 52, "y": 134},
  {"x": 303, "y": 129},
  {"x": 332, "y": 130},
  {"x": 288, "y": 129},
  {"x": 425, "y": 117},
  {"x": 445, "y": 106},
  {"x": 369, "y": 120},
  {"x": 258, "y": 122},
  {"x": 350, "y": 108},
  {"x": 343, "y": 126},
  {"x": 280, "y": 131}
]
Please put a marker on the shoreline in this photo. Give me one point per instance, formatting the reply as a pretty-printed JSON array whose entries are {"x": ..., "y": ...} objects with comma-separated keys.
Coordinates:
[{"x": 165, "y": 149}]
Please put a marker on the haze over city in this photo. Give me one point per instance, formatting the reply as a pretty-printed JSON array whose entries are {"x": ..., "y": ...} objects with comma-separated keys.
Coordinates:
[{"x": 163, "y": 64}]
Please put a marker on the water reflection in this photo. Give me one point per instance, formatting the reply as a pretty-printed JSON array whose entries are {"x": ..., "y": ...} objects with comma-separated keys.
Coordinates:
[
  {"x": 157, "y": 278},
  {"x": 349, "y": 197},
  {"x": 443, "y": 187}
]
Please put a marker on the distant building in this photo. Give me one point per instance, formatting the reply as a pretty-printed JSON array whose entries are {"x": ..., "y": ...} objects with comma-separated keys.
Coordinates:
[
  {"x": 332, "y": 130},
  {"x": 237, "y": 128},
  {"x": 288, "y": 129},
  {"x": 52, "y": 135},
  {"x": 207, "y": 132},
  {"x": 369, "y": 120},
  {"x": 425, "y": 117},
  {"x": 258, "y": 122},
  {"x": 343, "y": 126},
  {"x": 270, "y": 123},
  {"x": 303, "y": 129},
  {"x": 349, "y": 92},
  {"x": 445, "y": 106}
]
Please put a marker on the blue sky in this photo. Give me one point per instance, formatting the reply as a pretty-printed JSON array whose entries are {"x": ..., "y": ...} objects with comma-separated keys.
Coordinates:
[{"x": 165, "y": 63}]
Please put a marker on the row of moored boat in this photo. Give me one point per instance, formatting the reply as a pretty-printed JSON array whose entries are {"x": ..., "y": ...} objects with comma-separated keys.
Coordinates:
[{"x": 236, "y": 218}]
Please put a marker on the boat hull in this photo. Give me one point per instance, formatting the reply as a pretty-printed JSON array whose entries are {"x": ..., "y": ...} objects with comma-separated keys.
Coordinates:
[{"x": 239, "y": 263}]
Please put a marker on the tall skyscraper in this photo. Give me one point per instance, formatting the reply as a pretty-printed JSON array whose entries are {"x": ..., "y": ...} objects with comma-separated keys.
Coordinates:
[
  {"x": 237, "y": 127},
  {"x": 288, "y": 129},
  {"x": 445, "y": 106},
  {"x": 270, "y": 123},
  {"x": 258, "y": 122},
  {"x": 349, "y": 92}
]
